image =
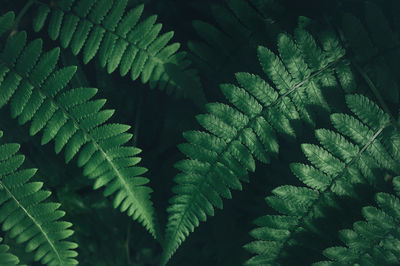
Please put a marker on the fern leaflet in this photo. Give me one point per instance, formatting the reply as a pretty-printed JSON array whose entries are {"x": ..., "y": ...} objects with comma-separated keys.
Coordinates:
[{"x": 6, "y": 22}]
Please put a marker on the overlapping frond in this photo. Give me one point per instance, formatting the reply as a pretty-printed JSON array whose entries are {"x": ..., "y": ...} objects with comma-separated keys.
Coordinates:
[
  {"x": 228, "y": 45},
  {"x": 28, "y": 217},
  {"x": 375, "y": 241},
  {"x": 37, "y": 91},
  {"x": 119, "y": 39},
  {"x": 375, "y": 48},
  {"x": 6, "y": 258},
  {"x": 344, "y": 159},
  {"x": 238, "y": 133}
]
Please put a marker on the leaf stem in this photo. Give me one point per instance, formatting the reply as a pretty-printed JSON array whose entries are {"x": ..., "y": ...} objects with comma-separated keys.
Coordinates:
[
  {"x": 22, "y": 13},
  {"x": 35, "y": 223}
]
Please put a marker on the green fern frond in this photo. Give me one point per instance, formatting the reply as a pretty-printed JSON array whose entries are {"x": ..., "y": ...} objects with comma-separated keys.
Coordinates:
[
  {"x": 375, "y": 241},
  {"x": 6, "y": 258},
  {"x": 106, "y": 29},
  {"x": 245, "y": 130},
  {"x": 38, "y": 92},
  {"x": 27, "y": 217},
  {"x": 338, "y": 165}
]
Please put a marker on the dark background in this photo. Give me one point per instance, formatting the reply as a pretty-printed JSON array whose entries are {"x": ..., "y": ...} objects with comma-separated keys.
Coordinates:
[{"x": 108, "y": 237}]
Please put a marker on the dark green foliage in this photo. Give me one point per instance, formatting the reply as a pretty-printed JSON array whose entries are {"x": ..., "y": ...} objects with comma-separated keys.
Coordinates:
[
  {"x": 228, "y": 46},
  {"x": 375, "y": 47},
  {"x": 37, "y": 91},
  {"x": 374, "y": 241},
  {"x": 220, "y": 159},
  {"x": 303, "y": 111},
  {"x": 6, "y": 22},
  {"x": 344, "y": 160},
  {"x": 120, "y": 39},
  {"x": 6, "y": 258}
]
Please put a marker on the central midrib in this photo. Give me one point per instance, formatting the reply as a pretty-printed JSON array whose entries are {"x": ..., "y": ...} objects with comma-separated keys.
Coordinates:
[{"x": 34, "y": 221}]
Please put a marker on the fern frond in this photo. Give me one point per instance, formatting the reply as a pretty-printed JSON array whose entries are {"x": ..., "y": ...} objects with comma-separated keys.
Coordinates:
[
  {"x": 338, "y": 165},
  {"x": 38, "y": 92},
  {"x": 27, "y": 217},
  {"x": 6, "y": 258},
  {"x": 375, "y": 241},
  {"x": 238, "y": 133},
  {"x": 106, "y": 29}
]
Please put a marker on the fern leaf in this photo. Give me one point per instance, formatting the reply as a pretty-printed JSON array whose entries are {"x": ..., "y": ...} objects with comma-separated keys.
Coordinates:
[
  {"x": 106, "y": 29},
  {"x": 237, "y": 134},
  {"x": 337, "y": 165},
  {"x": 27, "y": 217},
  {"x": 374, "y": 241},
  {"x": 39, "y": 92}
]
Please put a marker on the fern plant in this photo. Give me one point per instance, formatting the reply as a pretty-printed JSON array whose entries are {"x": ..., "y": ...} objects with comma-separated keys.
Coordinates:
[
  {"x": 327, "y": 88},
  {"x": 222, "y": 157}
]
